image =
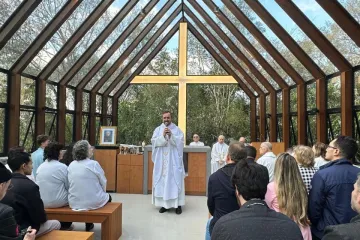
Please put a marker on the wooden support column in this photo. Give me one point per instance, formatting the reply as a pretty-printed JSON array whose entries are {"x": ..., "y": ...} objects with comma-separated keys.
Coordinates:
[
  {"x": 253, "y": 119},
  {"x": 40, "y": 104},
  {"x": 301, "y": 114},
  {"x": 104, "y": 109},
  {"x": 14, "y": 88},
  {"x": 61, "y": 116},
  {"x": 321, "y": 126},
  {"x": 347, "y": 96},
  {"x": 182, "y": 75},
  {"x": 286, "y": 117},
  {"x": 262, "y": 114},
  {"x": 273, "y": 120},
  {"x": 78, "y": 114},
  {"x": 92, "y": 119}
]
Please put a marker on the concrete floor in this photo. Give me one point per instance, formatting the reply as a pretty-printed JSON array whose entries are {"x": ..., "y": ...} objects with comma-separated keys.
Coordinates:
[{"x": 142, "y": 221}]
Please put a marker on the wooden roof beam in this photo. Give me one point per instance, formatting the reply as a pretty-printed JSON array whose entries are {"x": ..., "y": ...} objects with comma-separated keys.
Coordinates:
[
  {"x": 98, "y": 41},
  {"x": 274, "y": 53},
  {"x": 74, "y": 39},
  {"x": 287, "y": 40},
  {"x": 30, "y": 53},
  {"x": 136, "y": 42},
  {"x": 315, "y": 35},
  {"x": 120, "y": 40}
]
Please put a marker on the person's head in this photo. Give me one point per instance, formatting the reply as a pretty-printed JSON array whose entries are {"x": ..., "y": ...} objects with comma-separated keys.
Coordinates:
[
  {"x": 108, "y": 133},
  {"x": 196, "y": 138},
  {"x": 236, "y": 153},
  {"x": 290, "y": 150},
  {"x": 304, "y": 156},
  {"x": 52, "y": 151},
  {"x": 42, "y": 140},
  {"x": 5, "y": 179},
  {"x": 68, "y": 155},
  {"x": 166, "y": 117},
  {"x": 14, "y": 150},
  {"x": 250, "y": 181},
  {"x": 20, "y": 162},
  {"x": 341, "y": 147},
  {"x": 265, "y": 147},
  {"x": 290, "y": 189},
  {"x": 242, "y": 140},
  {"x": 82, "y": 150},
  {"x": 251, "y": 152},
  {"x": 221, "y": 139},
  {"x": 355, "y": 195},
  {"x": 319, "y": 149}
]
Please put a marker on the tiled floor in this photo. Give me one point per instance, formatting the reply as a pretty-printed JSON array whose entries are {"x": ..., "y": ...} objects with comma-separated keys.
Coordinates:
[{"x": 142, "y": 221}]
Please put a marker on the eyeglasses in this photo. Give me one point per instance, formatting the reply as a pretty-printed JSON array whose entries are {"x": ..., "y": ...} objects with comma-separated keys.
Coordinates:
[
  {"x": 195, "y": 137},
  {"x": 331, "y": 147}
]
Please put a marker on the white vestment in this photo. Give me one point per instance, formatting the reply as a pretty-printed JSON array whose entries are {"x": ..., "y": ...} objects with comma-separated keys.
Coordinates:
[
  {"x": 196, "y": 144},
  {"x": 218, "y": 152},
  {"x": 168, "y": 188}
]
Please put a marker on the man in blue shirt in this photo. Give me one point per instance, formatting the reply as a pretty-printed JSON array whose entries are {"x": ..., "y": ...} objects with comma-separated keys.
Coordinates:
[{"x": 37, "y": 157}]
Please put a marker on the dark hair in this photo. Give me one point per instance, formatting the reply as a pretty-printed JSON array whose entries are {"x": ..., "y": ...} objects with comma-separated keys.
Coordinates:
[
  {"x": 52, "y": 151},
  {"x": 237, "y": 152},
  {"x": 250, "y": 179},
  {"x": 68, "y": 156},
  {"x": 14, "y": 150},
  {"x": 347, "y": 147},
  {"x": 251, "y": 151},
  {"x": 164, "y": 112},
  {"x": 17, "y": 159},
  {"x": 41, "y": 139}
]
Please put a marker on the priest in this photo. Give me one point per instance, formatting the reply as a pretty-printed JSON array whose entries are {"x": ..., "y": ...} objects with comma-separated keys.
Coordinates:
[
  {"x": 168, "y": 190},
  {"x": 218, "y": 154}
]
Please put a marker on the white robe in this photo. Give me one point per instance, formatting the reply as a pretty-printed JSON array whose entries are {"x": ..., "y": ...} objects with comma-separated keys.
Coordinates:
[
  {"x": 168, "y": 188},
  {"x": 218, "y": 152}
]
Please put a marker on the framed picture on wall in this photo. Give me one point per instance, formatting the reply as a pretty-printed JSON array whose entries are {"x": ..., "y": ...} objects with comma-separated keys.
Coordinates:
[{"x": 107, "y": 135}]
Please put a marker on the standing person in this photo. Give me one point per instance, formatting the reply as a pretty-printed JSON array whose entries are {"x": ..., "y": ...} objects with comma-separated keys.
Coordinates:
[
  {"x": 304, "y": 156},
  {"x": 319, "y": 150},
  {"x": 196, "y": 142},
  {"x": 38, "y": 156},
  {"x": 330, "y": 195},
  {"x": 267, "y": 158},
  {"x": 24, "y": 197},
  {"x": 168, "y": 190},
  {"x": 243, "y": 140},
  {"x": 218, "y": 154},
  {"x": 287, "y": 193}
]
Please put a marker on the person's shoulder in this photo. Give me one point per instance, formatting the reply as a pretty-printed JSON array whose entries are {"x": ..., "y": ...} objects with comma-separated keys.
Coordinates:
[
  {"x": 350, "y": 230},
  {"x": 5, "y": 211}
]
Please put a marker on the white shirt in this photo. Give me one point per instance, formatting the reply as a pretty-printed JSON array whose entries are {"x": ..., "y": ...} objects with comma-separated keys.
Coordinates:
[
  {"x": 197, "y": 144},
  {"x": 268, "y": 160},
  {"x": 87, "y": 185},
  {"x": 320, "y": 161},
  {"x": 52, "y": 178}
]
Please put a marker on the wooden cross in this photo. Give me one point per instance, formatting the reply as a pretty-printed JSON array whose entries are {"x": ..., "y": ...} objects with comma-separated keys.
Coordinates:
[{"x": 183, "y": 79}]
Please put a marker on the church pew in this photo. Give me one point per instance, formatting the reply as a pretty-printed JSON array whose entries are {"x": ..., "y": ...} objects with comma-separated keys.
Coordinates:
[
  {"x": 110, "y": 217},
  {"x": 63, "y": 235}
]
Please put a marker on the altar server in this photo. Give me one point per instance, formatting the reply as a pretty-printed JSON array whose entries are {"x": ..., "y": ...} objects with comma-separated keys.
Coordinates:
[{"x": 218, "y": 154}]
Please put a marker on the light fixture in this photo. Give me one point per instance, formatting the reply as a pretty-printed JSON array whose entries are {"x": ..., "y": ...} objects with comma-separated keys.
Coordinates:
[
  {"x": 142, "y": 13},
  {"x": 216, "y": 10}
]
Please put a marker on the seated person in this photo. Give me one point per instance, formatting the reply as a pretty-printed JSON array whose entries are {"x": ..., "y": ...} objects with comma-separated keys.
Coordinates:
[
  {"x": 86, "y": 172},
  {"x": 52, "y": 178},
  {"x": 221, "y": 193},
  {"x": 24, "y": 197},
  {"x": 254, "y": 220},
  {"x": 9, "y": 229},
  {"x": 14, "y": 150}
]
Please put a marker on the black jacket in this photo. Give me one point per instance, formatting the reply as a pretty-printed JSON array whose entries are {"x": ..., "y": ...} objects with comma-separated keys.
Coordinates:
[
  {"x": 24, "y": 198},
  {"x": 221, "y": 194},
  {"x": 9, "y": 229},
  {"x": 349, "y": 231},
  {"x": 255, "y": 221}
]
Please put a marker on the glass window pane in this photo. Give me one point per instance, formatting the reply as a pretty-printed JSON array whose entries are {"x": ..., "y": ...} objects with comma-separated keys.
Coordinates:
[
  {"x": 352, "y": 6},
  {"x": 27, "y": 96},
  {"x": 98, "y": 124},
  {"x": 357, "y": 88},
  {"x": 3, "y": 88},
  {"x": 109, "y": 106},
  {"x": 98, "y": 103},
  {"x": 7, "y": 8},
  {"x": 69, "y": 128},
  {"x": 334, "y": 126},
  {"x": 311, "y": 96},
  {"x": 56, "y": 42},
  {"x": 28, "y": 31},
  {"x": 311, "y": 131},
  {"x": 257, "y": 106},
  {"x": 293, "y": 131},
  {"x": 2, "y": 129},
  {"x": 293, "y": 100},
  {"x": 85, "y": 127},
  {"x": 70, "y": 99},
  {"x": 86, "y": 102},
  {"x": 268, "y": 106},
  {"x": 279, "y": 128},
  {"x": 334, "y": 93},
  {"x": 51, "y": 96},
  {"x": 27, "y": 130},
  {"x": 279, "y": 102},
  {"x": 50, "y": 125}
]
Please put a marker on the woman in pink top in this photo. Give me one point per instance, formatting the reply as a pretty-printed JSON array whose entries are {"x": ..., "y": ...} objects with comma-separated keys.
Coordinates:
[{"x": 287, "y": 193}]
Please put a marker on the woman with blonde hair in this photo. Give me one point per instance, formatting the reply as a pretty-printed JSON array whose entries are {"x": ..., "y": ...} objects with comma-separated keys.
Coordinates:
[
  {"x": 319, "y": 150},
  {"x": 287, "y": 193},
  {"x": 304, "y": 156}
]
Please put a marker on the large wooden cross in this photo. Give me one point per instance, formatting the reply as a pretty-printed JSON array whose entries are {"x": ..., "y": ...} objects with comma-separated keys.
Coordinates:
[{"x": 183, "y": 79}]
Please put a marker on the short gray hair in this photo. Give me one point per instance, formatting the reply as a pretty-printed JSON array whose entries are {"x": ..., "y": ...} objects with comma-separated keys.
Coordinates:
[
  {"x": 81, "y": 150},
  {"x": 267, "y": 145}
]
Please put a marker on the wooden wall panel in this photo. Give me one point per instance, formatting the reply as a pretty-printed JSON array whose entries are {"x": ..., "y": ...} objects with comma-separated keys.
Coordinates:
[
  {"x": 107, "y": 160},
  {"x": 150, "y": 172},
  {"x": 136, "y": 179},
  {"x": 123, "y": 178},
  {"x": 277, "y": 148}
]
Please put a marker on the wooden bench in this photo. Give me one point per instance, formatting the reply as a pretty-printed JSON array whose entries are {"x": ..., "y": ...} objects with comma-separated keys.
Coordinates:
[
  {"x": 110, "y": 217},
  {"x": 62, "y": 235}
]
